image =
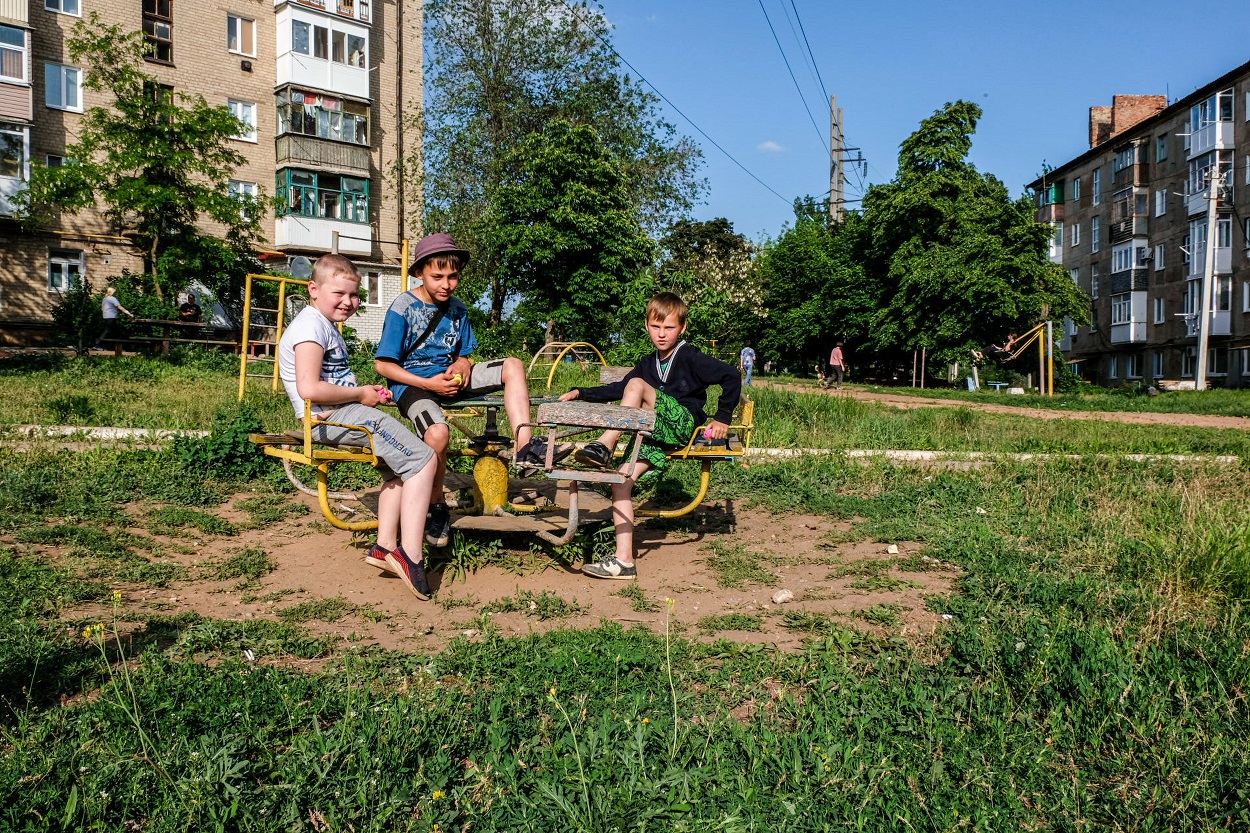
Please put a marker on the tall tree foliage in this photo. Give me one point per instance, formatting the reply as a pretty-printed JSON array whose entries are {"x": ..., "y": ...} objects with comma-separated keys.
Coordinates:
[
  {"x": 158, "y": 163},
  {"x": 501, "y": 70},
  {"x": 568, "y": 232},
  {"x": 952, "y": 260}
]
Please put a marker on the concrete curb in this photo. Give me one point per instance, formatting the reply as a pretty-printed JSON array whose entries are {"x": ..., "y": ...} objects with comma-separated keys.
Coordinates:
[{"x": 917, "y": 456}]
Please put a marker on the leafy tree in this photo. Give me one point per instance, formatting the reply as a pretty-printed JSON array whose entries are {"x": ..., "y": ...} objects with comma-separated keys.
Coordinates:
[
  {"x": 951, "y": 261},
  {"x": 159, "y": 163},
  {"x": 710, "y": 266},
  {"x": 568, "y": 233},
  {"x": 814, "y": 286},
  {"x": 501, "y": 70}
]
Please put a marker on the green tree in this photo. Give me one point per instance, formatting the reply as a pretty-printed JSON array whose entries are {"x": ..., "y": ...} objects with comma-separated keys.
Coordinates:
[
  {"x": 951, "y": 261},
  {"x": 711, "y": 267},
  {"x": 158, "y": 163},
  {"x": 501, "y": 70},
  {"x": 568, "y": 233}
]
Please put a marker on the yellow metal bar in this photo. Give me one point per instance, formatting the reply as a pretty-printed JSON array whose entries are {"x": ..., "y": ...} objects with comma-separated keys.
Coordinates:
[
  {"x": 247, "y": 321},
  {"x": 704, "y": 479},
  {"x": 323, "y": 497},
  {"x": 573, "y": 346},
  {"x": 403, "y": 264},
  {"x": 278, "y": 332}
]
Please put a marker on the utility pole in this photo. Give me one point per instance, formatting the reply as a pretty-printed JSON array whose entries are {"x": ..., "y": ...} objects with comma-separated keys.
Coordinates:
[
  {"x": 836, "y": 142},
  {"x": 1208, "y": 273}
]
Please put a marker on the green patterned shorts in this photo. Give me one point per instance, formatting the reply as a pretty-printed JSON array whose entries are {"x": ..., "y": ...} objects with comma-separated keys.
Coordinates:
[{"x": 673, "y": 426}]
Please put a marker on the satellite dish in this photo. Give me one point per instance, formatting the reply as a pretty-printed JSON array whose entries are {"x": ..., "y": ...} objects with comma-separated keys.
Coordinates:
[{"x": 301, "y": 267}]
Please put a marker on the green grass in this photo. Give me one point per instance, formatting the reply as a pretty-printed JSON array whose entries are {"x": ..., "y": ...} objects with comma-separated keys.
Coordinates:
[
  {"x": 249, "y": 564},
  {"x": 264, "y": 510},
  {"x": 544, "y": 605},
  {"x": 731, "y": 622},
  {"x": 1090, "y": 676},
  {"x": 638, "y": 601},
  {"x": 329, "y": 610},
  {"x": 169, "y": 520},
  {"x": 737, "y": 567}
]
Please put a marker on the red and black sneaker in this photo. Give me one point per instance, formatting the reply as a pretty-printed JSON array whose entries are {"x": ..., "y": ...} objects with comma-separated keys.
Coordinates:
[
  {"x": 411, "y": 573},
  {"x": 377, "y": 558}
]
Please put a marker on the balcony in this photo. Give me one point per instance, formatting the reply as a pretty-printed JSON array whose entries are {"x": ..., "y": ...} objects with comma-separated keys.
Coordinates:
[
  {"x": 321, "y": 74},
  {"x": 1130, "y": 280},
  {"x": 1128, "y": 228},
  {"x": 1196, "y": 201},
  {"x": 1052, "y": 213},
  {"x": 1198, "y": 262},
  {"x": 1132, "y": 327},
  {"x": 1217, "y": 135},
  {"x": 309, "y": 152},
  {"x": 351, "y": 9},
  {"x": 1220, "y": 324},
  {"x": 9, "y": 186},
  {"x": 317, "y": 234}
]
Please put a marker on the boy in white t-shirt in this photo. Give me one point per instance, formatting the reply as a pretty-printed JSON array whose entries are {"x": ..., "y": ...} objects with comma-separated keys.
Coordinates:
[{"x": 313, "y": 363}]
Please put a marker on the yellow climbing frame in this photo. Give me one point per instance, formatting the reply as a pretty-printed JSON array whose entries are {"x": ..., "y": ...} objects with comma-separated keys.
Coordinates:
[{"x": 549, "y": 357}]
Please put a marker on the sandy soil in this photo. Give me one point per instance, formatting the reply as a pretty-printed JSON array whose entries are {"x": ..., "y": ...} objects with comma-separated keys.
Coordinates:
[{"x": 315, "y": 561}]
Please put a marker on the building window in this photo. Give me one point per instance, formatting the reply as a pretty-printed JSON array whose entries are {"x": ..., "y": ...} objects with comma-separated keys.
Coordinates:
[
  {"x": 1186, "y": 250},
  {"x": 62, "y": 87},
  {"x": 1052, "y": 193},
  {"x": 1223, "y": 293},
  {"x": 1245, "y": 297},
  {"x": 240, "y": 35},
  {"x": 1245, "y": 361},
  {"x": 1058, "y": 239},
  {"x": 1097, "y": 189},
  {"x": 14, "y": 153},
  {"x": 328, "y": 196},
  {"x": 1156, "y": 364},
  {"x": 1160, "y": 307},
  {"x": 1113, "y": 371},
  {"x": 239, "y": 190},
  {"x": 53, "y": 161},
  {"x": 1217, "y": 362},
  {"x": 323, "y": 116},
  {"x": 1095, "y": 276},
  {"x": 1076, "y": 235},
  {"x": 1076, "y": 189},
  {"x": 1161, "y": 148},
  {"x": 1218, "y": 107},
  {"x": 1159, "y": 257},
  {"x": 64, "y": 269},
  {"x": 1188, "y": 359},
  {"x": 1123, "y": 257},
  {"x": 1132, "y": 366},
  {"x": 1095, "y": 234},
  {"x": 63, "y": 7},
  {"x": 1122, "y": 308},
  {"x": 307, "y": 39},
  {"x": 244, "y": 111},
  {"x": 158, "y": 29},
  {"x": 1161, "y": 202},
  {"x": 1075, "y": 274},
  {"x": 373, "y": 289},
  {"x": 12, "y": 54}
]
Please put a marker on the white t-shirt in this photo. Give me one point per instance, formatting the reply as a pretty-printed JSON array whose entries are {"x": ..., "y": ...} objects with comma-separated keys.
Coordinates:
[{"x": 311, "y": 325}]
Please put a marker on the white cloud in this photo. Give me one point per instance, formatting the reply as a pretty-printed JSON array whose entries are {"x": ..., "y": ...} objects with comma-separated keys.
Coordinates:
[{"x": 769, "y": 147}]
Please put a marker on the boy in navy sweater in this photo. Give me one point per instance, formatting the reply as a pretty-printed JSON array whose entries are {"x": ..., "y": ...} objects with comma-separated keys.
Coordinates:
[{"x": 672, "y": 381}]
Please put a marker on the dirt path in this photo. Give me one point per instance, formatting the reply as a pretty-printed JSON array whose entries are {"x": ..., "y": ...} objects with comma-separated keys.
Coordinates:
[{"x": 1131, "y": 417}]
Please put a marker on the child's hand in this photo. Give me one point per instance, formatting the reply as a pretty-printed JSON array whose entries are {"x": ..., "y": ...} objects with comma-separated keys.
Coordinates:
[
  {"x": 445, "y": 385},
  {"x": 570, "y": 396},
  {"x": 716, "y": 431},
  {"x": 385, "y": 394},
  {"x": 369, "y": 395}
]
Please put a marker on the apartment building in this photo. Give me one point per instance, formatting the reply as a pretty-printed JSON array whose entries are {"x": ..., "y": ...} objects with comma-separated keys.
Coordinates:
[
  {"x": 330, "y": 90},
  {"x": 1131, "y": 219}
]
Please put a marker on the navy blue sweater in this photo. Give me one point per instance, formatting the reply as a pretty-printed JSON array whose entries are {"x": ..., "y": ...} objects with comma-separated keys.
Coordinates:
[{"x": 689, "y": 377}]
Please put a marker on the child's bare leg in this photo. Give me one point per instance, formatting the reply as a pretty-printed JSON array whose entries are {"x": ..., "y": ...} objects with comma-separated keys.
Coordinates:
[
  {"x": 414, "y": 503},
  {"x": 638, "y": 394},
  {"x": 516, "y": 400},
  {"x": 437, "y": 437},
  {"x": 388, "y": 514},
  {"x": 623, "y": 512}
]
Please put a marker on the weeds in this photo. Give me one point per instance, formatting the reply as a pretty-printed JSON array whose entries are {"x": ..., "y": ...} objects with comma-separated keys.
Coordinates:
[
  {"x": 731, "y": 622},
  {"x": 169, "y": 519},
  {"x": 329, "y": 610},
  {"x": 638, "y": 600},
  {"x": 736, "y": 567},
  {"x": 248, "y": 564},
  {"x": 264, "y": 510},
  {"x": 544, "y": 605}
]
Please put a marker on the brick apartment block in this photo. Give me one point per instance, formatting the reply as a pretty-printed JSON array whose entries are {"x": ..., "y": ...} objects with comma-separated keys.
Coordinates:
[
  {"x": 1130, "y": 218},
  {"x": 333, "y": 88}
]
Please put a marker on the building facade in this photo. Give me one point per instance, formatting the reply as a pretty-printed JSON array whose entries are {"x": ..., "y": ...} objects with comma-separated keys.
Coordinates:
[
  {"x": 331, "y": 92},
  {"x": 1131, "y": 219}
]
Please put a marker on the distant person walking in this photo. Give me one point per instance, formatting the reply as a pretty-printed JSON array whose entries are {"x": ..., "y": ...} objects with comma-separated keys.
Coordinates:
[
  {"x": 746, "y": 363},
  {"x": 837, "y": 365},
  {"x": 109, "y": 308}
]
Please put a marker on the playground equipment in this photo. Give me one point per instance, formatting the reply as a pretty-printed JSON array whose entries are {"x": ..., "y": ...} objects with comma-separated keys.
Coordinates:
[
  {"x": 491, "y": 504},
  {"x": 1042, "y": 335},
  {"x": 550, "y": 356}
]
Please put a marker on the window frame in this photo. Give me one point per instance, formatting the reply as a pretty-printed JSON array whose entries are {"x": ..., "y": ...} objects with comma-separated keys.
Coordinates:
[
  {"x": 23, "y": 53},
  {"x": 1095, "y": 277},
  {"x": 372, "y": 283},
  {"x": 62, "y": 71},
  {"x": 58, "y": 7},
  {"x": 1161, "y": 148},
  {"x": 311, "y": 193},
  {"x": 239, "y": 109},
  {"x": 1161, "y": 202},
  {"x": 1122, "y": 308},
  {"x": 1075, "y": 236},
  {"x": 1160, "y": 310},
  {"x": 1096, "y": 196},
  {"x": 346, "y": 110},
  {"x": 22, "y": 132},
  {"x": 155, "y": 43},
  {"x": 1159, "y": 250},
  {"x": 237, "y": 22},
  {"x": 1132, "y": 366},
  {"x": 61, "y": 256},
  {"x": 1095, "y": 233}
]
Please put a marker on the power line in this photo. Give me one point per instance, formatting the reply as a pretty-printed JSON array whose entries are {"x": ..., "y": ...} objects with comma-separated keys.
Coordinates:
[
  {"x": 815, "y": 66},
  {"x": 790, "y": 70},
  {"x": 676, "y": 109},
  {"x": 809, "y": 60}
]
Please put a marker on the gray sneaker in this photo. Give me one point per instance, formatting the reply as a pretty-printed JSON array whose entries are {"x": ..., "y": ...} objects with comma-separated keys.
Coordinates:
[{"x": 611, "y": 568}]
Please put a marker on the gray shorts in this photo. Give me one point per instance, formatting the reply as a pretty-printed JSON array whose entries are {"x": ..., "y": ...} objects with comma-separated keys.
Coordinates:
[
  {"x": 422, "y": 406},
  {"x": 400, "y": 453}
]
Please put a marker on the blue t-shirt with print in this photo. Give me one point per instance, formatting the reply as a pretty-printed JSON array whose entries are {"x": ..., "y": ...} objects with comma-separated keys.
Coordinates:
[{"x": 407, "y": 319}]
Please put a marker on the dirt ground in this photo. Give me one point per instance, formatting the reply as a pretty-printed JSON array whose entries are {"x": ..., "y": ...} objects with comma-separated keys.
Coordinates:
[{"x": 315, "y": 561}]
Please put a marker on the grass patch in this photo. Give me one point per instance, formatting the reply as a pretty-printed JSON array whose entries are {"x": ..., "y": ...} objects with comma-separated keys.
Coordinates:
[
  {"x": 263, "y": 510},
  {"x": 731, "y": 622},
  {"x": 638, "y": 601},
  {"x": 882, "y": 614},
  {"x": 249, "y": 565},
  {"x": 329, "y": 610},
  {"x": 544, "y": 605},
  {"x": 168, "y": 520},
  {"x": 735, "y": 567},
  {"x": 881, "y": 583}
]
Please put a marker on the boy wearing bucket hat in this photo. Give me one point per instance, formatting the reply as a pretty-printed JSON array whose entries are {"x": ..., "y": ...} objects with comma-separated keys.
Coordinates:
[{"x": 424, "y": 352}]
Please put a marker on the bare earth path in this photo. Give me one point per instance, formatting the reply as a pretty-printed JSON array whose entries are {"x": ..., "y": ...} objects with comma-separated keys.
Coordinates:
[{"x": 1135, "y": 418}]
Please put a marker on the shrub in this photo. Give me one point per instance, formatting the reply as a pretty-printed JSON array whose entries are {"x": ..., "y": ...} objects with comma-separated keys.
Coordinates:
[{"x": 226, "y": 453}]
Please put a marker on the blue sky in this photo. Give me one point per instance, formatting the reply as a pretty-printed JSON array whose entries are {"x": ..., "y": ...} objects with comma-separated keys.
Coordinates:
[{"x": 1035, "y": 69}]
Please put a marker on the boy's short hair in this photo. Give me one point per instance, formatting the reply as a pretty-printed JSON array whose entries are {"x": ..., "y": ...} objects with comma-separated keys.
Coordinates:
[
  {"x": 328, "y": 266},
  {"x": 664, "y": 304}
]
